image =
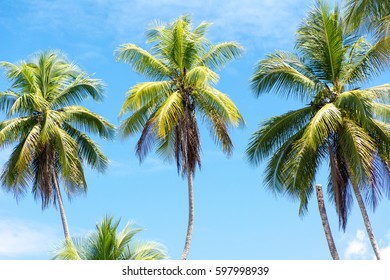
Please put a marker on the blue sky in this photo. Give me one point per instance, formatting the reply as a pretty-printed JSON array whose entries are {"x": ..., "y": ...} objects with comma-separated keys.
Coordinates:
[{"x": 235, "y": 216}]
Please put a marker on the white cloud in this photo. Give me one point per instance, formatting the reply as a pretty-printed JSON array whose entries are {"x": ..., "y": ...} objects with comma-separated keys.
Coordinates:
[
  {"x": 251, "y": 22},
  {"x": 357, "y": 247},
  {"x": 21, "y": 239},
  {"x": 150, "y": 165}
]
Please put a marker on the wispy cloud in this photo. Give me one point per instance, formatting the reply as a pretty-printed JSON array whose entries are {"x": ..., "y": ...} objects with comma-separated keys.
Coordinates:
[
  {"x": 21, "y": 239},
  {"x": 359, "y": 247},
  {"x": 248, "y": 21},
  {"x": 127, "y": 168}
]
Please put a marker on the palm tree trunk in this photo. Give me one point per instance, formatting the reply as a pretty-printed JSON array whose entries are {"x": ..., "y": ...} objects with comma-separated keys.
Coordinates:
[
  {"x": 325, "y": 223},
  {"x": 62, "y": 209},
  {"x": 190, "y": 217},
  {"x": 366, "y": 220}
]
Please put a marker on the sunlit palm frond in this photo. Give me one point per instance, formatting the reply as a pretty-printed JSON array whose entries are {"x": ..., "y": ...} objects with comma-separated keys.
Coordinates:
[
  {"x": 201, "y": 76},
  {"x": 142, "y": 61},
  {"x": 145, "y": 93},
  {"x": 168, "y": 114},
  {"x": 82, "y": 118},
  {"x": 218, "y": 55}
]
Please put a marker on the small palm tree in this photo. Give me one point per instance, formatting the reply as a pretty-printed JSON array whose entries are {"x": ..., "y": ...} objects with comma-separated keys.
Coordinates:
[
  {"x": 165, "y": 111},
  {"x": 48, "y": 130},
  {"x": 108, "y": 244},
  {"x": 341, "y": 123}
]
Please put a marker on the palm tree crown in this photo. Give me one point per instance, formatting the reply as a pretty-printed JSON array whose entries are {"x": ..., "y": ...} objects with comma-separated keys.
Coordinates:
[
  {"x": 108, "y": 244},
  {"x": 181, "y": 63},
  {"x": 342, "y": 122},
  {"x": 48, "y": 128}
]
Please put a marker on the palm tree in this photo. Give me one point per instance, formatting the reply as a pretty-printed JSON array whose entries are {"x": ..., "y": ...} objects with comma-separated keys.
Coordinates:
[
  {"x": 48, "y": 130},
  {"x": 107, "y": 244},
  {"x": 325, "y": 223},
  {"x": 181, "y": 64},
  {"x": 341, "y": 123},
  {"x": 369, "y": 15}
]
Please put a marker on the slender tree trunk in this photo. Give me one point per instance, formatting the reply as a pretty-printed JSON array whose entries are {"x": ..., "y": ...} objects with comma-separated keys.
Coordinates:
[
  {"x": 190, "y": 217},
  {"x": 62, "y": 209},
  {"x": 366, "y": 221},
  {"x": 325, "y": 223}
]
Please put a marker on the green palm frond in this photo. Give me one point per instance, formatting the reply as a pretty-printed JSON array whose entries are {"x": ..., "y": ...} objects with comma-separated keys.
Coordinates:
[
  {"x": 168, "y": 114},
  {"x": 146, "y": 251},
  {"x": 106, "y": 243},
  {"x": 220, "y": 103},
  {"x": 218, "y": 55},
  {"x": 87, "y": 149},
  {"x": 285, "y": 74},
  {"x": 76, "y": 90},
  {"x": 356, "y": 104},
  {"x": 201, "y": 76},
  {"x": 367, "y": 61},
  {"x": 276, "y": 131},
  {"x": 142, "y": 61},
  {"x": 275, "y": 176},
  {"x": 320, "y": 39},
  {"x": 360, "y": 151},
  {"x": 145, "y": 93},
  {"x": 82, "y": 118},
  {"x": 366, "y": 14},
  {"x": 136, "y": 121},
  {"x": 7, "y": 99},
  {"x": 12, "y": 130}
]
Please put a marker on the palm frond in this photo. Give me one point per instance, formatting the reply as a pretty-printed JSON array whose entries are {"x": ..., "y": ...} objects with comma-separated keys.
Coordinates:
[
  {"x": 285, "y": 74},
  {"x": 7, "y": 99},
  {"x": 320, "y": 39},
  {"x": 142, "y": 61},
  {"x": 84, "y": 119},
  {"x": 106, "y": 243},
  {"x": 367, "y": 61},
  {"x": 145, "y": 93},
  {"x": 274, "y": 132},
  {"x": 218, "y": 102},
  {"x": 76, "y": 90},
  {"x": 88, "y": 150},
  {"x": 218, "y": 55},
  {"x": 168, "y": 114},
  {"x": 201, "y": 76}
]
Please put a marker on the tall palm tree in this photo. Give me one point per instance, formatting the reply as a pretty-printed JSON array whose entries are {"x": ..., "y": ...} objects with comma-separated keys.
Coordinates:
[
  {"x": 48, "y": 130},
  {"x": 165, "y": 111},
  {"x": 108, "y": 244},
  {"x": 369, "y": 15},
  {"x": 341, "y": 122}
]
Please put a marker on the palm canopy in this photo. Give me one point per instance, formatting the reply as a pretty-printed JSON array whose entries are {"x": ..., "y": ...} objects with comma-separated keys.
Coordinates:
[
  {"x": 181, "y": 64},
  {"x": 109, "y": 244},
  {"x": 47, "y": 128},
  {"x": 342, "y": 123}
]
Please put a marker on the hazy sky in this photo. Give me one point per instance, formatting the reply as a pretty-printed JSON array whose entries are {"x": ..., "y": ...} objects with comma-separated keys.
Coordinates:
[{"x": 235, "y": 216}]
